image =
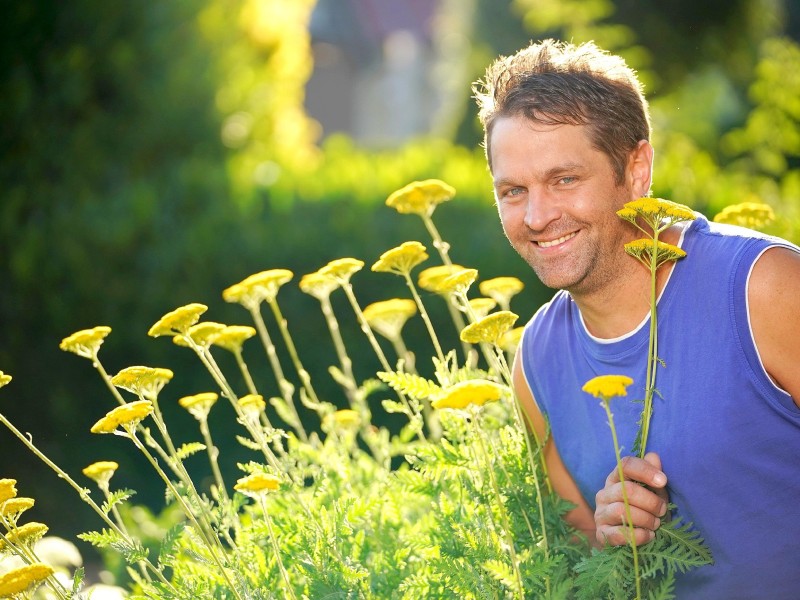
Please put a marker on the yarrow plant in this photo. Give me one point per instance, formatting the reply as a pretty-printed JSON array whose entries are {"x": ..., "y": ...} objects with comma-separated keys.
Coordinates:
[{"x": 454, "y": 502}]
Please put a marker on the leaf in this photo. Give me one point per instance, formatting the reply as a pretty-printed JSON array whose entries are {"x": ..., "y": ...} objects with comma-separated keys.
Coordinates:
[
  {"x": 186, "y": 450},
  {"x": 393, "y": 406},
  {"x": 411, "y": 385},
  {"x": 116, "y": 497},
  {"x": 166, "y": 553}
]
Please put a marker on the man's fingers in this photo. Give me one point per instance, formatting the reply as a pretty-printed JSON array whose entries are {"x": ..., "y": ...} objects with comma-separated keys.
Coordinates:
[
  {"x": 644, "y": 470},
  {"x": 614, "y": 514},
  {"x": 653, "y": 502},
  {"x": 618, "y": 536}
]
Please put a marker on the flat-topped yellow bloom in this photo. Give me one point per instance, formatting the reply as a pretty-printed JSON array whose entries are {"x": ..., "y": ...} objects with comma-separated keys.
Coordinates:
[
  {"x": 24, "y": 535},
  {"x": 473, "y": 391},
  {"x": 319, "y": 285},
  {"x": 4, "y": 379},
  {"x": 23, "y": 580},
  {"x": 402, "y": 259},
  {"x": 746, "y": 214},
  {"x": 388, "y": 317},
  {"x": 199, "y": 405},
  {"x": 458, "y": 282},
  {"x": 490, "y": 328},
  {"x": 14, "y": 507},
  {"x": 8, "y": 489},
  {"x": 253, "y": 290},
  {"x": 501, "y": 289},
  {"x": 128, "y": 415},
  {"x": 101, "y": 472},
  {"x": 202, "y": 334},
  {"x": 178, "y": 320},
  {"x": 252, "y": 405},
  {"x": 482, "y": 306},
  {"x": 510, "y": 340},
  {"x": 643, "y": 250},
  {"x": 655, "y": 210},
  {"x": 420, "y": 197},
  {"x": 430, "y": 279},
  {"x": 346, "y": 419},
  {"x": 608, "y": 386},
  {"x": 85, "y": 342},
  {"x": 142, "y": 381},
  {"x": 257, "y": 484},
  {"x": 232, "y": 337},
  {"x": 342, "y": 269}
]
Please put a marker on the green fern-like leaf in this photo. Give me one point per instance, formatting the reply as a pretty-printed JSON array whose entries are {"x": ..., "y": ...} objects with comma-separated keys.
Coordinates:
[
  {"x": 410, "y": 385},
  {"x": 116, "y": 497},
  {"x": 186, "y": 450},
  {"x": 166, "y": 554}
]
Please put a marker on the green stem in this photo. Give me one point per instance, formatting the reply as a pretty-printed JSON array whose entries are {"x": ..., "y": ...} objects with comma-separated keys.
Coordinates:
[
  {"x": 276, "y": 548},
  {"x": 650, "y": 377},
  {"x": 425, "y": 317}
]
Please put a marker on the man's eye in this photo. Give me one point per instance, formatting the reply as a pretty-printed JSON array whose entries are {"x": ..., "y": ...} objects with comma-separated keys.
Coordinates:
[
  {"x": 515, "y": 191},
  {"x": 567, "y": 180}
]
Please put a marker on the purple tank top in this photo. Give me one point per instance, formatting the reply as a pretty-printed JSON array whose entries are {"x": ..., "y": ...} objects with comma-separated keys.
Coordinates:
[{"x": 729, "y": 439}]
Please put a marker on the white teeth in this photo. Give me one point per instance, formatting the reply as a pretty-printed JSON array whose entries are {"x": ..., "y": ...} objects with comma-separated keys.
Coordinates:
[{"x": 560, "y": 240}]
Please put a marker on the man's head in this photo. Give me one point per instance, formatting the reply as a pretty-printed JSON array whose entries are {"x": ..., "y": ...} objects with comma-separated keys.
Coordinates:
[{"x": 557, "y": 83}]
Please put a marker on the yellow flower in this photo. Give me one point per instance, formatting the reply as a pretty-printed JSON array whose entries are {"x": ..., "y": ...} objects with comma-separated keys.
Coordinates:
[
  {"x": 4, "y": 379},
  {"x": 101, "y": 472},
  {"x": 142, "y": 381},
  {"x": 127, "y": 415},
  {"x": 608, "y": 386},
  {"x": 420, "y": 197},
  {"x": 458, "y": 282},
  {"x": 642, "y": 250},
  {"x": 754, "y": 215},
  {"x": 203, "y": 334},
  {"x": 253, "y": 290},
  {"x": 474, "y": 391},
  {"x": 25, "y": 535},
  {"x": 501, "y": 289},
  {"x": 430, "y": 279},
  {"x": 510, "y": 340},
  {"x": 389, "y": 316},
  {"x": 252, "y": 405},
  {"x": 23, "y": 579},
  {"x": 482, "y": 306},
  {"x": 402, "y": 259},
  {"x": 86, "y": 342},
  {"x": 8, "y": 489},
  {"x": 199, "y": 405},
  {"x": 489, "y": 329},
  {"x": 178, "y": 320},
  {"x": 13, "y": 507},
  {"x": 318, "y": 285},
  {"x": 257, "y": 484},
  {"x": 232, "y": 337},
  {"x": 341, "y": 269},
  {"x": 346, "y": 419},
  {"x": 655, "y": 210}
]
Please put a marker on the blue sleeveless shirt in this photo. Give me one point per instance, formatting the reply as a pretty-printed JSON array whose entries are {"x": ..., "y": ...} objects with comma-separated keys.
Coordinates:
[{"x": 728, "y": 437}]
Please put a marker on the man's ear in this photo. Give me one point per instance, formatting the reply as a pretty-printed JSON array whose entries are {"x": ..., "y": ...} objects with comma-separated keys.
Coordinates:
[{"x": 640, "y": 169}]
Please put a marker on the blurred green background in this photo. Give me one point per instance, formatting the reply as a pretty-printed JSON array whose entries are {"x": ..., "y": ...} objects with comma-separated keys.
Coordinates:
[{"x": 154, "y": 153}]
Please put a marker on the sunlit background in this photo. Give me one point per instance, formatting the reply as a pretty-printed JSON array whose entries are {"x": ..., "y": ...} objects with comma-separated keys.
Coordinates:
[{"x": 154, "y": 153}]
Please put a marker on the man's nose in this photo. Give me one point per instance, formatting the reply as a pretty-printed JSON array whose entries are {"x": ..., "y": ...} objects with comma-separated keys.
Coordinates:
[{"x": 540, "y": 211}]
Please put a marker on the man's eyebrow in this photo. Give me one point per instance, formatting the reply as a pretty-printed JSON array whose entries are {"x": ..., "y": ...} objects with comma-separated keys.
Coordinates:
[{"x": 569, "y": 167}]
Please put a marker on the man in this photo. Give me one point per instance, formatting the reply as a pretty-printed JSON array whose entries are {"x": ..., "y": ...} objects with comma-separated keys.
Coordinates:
[{"x": 567, "y": 141}]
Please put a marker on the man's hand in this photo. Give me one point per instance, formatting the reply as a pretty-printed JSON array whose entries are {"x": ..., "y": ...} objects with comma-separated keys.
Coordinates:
[{"x": 648, "y": 502}]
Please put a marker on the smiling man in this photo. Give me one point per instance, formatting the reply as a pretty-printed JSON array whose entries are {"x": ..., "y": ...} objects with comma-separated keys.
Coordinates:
[{"x": 567, "y": 135}]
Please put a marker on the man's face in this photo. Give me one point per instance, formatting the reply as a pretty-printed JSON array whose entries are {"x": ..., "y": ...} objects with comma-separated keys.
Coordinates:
[{"x": 557, "y": 200}]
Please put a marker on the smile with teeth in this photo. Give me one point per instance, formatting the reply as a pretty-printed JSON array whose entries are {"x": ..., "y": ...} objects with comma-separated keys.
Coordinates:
[{"x": 557, "y": 241}]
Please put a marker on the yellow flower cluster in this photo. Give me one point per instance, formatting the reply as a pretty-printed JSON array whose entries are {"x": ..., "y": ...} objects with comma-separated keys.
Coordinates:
[
  {"x": 23, "y": 579},
  {"x": 101, "y": 472},
  {"x": 431, "y": 278},
  {"x": 501, "y": 289},
  {"x": 402, "y": 259},
  {"x": 86, "y": 342},
  {"x": 511, "y": 339},
  {"x": 24, "y": 535},
  {"x": 252, "y": 405},
  {"x": 232, "y": 337},
  {"x": 420, "y": 197},
  {"x": 643, "y": 250},
  {"x": 388, "y": 317},
  {"x": 473, "y": 391},
  {"x": 346, "y": 419},
  {"x": 608, "y": 386},
  {"x": 318, "y": 285},
  {"x": 4, "y": 379},
  {"x": 178, "y": 321},
  {"x": 342, "y": 269},
  {"x": 202, "y": 334},
  {"x": 490, "y": 328},
  {"x": 146, "y": 382},
  {"x": 253, "y": 290},
  {"x": 199, "y": 405},
  {"x": 12, "y": 508},
  {"x": 128, "y": 416},
  {"x": 482, "y": 306},
  {"x": 656, "y": 210},
  {"x": 257, "y": 484},
  {"x": 8, "y": 489},
  {"x": 754, "y": 215}
]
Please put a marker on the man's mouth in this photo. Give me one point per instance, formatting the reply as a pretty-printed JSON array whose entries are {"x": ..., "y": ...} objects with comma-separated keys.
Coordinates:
[{"x": 557, "y": 241}]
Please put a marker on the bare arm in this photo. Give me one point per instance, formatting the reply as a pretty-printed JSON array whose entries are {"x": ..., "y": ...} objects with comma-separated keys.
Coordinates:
[
  {"x": 580, "y": 517},
  {"x": 774, "y": 303}
]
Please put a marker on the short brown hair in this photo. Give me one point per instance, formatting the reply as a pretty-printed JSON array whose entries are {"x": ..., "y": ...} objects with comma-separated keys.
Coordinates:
[{"x": 558, "y": 83}]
